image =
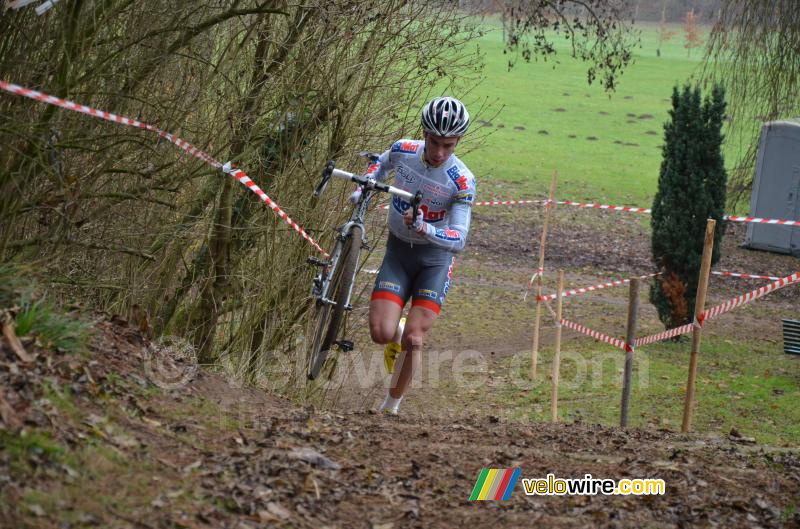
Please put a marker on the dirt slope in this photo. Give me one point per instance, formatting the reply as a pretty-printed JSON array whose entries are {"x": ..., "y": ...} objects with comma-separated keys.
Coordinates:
[
  {"x": 91, "y": 441},
  {"x": 125, "y": 453}
]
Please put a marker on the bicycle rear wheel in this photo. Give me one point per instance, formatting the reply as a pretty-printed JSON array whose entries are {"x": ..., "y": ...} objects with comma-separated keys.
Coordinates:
[{"x": 329, "y": 317}]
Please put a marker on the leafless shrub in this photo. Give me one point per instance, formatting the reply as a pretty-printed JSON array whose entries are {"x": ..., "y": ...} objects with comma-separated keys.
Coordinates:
[{"x": 115, "y": 217}]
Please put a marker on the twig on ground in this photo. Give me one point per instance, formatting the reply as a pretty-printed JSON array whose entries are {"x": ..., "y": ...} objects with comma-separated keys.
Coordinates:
[{"x": 11, "y": 338}]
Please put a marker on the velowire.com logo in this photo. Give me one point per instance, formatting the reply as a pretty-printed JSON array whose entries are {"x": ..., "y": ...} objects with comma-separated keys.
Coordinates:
[{"x": 495, "y": 484}]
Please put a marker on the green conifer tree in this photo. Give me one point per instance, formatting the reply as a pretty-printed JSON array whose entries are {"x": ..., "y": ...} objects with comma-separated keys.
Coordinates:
[{"x": 691, "y": 189}]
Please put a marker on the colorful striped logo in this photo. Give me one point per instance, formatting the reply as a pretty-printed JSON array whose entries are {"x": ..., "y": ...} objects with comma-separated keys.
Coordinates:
[{"x": 495, "y": 484}]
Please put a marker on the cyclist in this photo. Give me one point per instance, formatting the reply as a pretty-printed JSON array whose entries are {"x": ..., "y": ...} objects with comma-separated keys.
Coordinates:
[{"x": 419, "y": 259}]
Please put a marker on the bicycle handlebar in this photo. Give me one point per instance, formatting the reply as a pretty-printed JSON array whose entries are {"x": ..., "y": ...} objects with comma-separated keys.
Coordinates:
[{"x": 369, "y": 183}]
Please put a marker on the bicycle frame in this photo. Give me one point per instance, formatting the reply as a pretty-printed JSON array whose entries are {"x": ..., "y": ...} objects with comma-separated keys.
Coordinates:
[
  {"x": 356, "y": 219},
  {"x": 370, "y": 187},
  {"x": 333, "y": 286}
]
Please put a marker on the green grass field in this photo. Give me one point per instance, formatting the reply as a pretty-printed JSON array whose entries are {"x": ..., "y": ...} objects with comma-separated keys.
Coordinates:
[
  {"x": 605, "y": 147},
  {"x": 744, "y": 386}
]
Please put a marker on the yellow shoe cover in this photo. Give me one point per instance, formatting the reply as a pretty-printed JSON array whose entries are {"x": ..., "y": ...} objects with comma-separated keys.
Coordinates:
[
  {"x": 393, "y": 349},
  {"x": 390, "y": 353}
]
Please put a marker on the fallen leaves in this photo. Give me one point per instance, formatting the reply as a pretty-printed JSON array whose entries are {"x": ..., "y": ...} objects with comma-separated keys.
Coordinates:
[
  {"x": 306, "y": 468},
  {"x": 314, "y": 458}
]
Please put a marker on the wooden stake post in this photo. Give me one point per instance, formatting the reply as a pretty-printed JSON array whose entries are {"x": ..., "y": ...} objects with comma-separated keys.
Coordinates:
[
  {"x": 537, "y": 317},
  {"x": 557, "y": 355},
  {"x": 699, "y": 307},
  {"x": 630, "y": 340}
]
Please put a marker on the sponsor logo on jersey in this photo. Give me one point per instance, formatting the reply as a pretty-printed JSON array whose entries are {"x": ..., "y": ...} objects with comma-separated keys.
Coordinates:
[
  {"x": 405, "y": 146},
  {"x": 400, "y": 205},
  {"x": 449, "y": 277},
  {"x": 435, "y": 190},
  {"x": 427, "y": 293},
  {"x": 448, "y": 235},
  {"x": 458, "y": 179},
  {"x": 405, "y": 174},
  {"x": 388, "y": 285},
  {"x": 432, "y": 216}
]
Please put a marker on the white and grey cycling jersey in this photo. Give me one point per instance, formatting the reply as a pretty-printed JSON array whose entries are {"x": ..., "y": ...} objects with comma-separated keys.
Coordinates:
[{"x": 448, "y": 192}]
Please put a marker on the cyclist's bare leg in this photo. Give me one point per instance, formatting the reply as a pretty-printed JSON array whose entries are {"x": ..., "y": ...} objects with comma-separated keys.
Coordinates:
[
  {"x": 384, "y": 315},
  {"x": 418, "y": 324}
]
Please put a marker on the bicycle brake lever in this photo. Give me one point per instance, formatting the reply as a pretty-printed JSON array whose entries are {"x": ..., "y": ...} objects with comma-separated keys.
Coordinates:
[
  {"x": 415, "y": 209},
  {"x": 371, "y": 156},
  {"x": 415, "y": 205},
  {"x": 326, "y": 175}
]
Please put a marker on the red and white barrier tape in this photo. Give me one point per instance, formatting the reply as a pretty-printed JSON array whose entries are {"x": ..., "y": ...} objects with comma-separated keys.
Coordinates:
[
  {"x": 576, "y": 291},
  {"x": 629, "y": 209},
  {"x": 238, "y": 174},
  {"x": 745, "y": 276},
  {"x": 646, "y": 340},
  {"x": 747, "y": 298},
  {"x": 537, "y": 273},
  {"x": 248, "y": 183},
  {"x": 552, "y": 313},
  {"x": 507, "y": 202},
  {"x": 732, "y": 218},
  {"x": 616, "y": 342},
  {"x": 758, "y": 220},
  {"x": 721, "y": 309}
]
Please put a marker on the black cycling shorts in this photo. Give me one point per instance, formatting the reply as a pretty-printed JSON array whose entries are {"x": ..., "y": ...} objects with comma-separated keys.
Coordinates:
[{"x": 421, "y": 272}]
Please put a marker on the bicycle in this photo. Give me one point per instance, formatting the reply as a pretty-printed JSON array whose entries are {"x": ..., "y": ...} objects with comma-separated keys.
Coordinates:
[{"x": 332, "y": 287}]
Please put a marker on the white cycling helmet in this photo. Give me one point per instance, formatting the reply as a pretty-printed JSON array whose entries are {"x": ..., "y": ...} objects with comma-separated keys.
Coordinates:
[{"x": 445, "y": 116}]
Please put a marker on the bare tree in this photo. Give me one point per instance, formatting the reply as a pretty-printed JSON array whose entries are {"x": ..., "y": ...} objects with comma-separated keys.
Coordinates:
[
  {"x": 754, "y": 48},
  {"x": 691, "y": 33},
  {"x": 600, "y": 33},
  {"x": 664, "y": 32},
  {"x": 116, "y": 217}
]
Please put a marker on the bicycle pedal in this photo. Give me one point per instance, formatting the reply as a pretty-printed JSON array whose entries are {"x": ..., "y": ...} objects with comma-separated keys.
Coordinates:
[{"x": 345, "y": 345}]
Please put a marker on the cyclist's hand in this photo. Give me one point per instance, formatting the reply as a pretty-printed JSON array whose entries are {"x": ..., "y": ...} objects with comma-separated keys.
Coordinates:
[
  {"x": 417, "y": 224},
  {"x": 356, "y": 196}
]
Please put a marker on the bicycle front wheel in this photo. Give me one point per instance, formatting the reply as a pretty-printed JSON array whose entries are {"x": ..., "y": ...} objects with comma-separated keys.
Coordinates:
[{"x": 329, "y": 317}]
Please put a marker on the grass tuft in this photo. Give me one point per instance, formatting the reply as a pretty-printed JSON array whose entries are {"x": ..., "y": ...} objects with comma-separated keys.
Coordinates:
[
  {"x": 38, "y": 318},
  {"x": 21, "y": 446},
  {"x": 52, "y": 328}
]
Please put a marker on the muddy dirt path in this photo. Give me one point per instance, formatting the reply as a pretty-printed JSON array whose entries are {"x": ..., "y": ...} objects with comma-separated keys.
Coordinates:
[{"x": 211, "y": 454}]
